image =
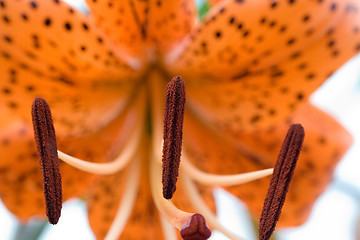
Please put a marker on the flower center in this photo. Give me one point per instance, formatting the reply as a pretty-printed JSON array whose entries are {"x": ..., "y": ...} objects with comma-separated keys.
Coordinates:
[{"x": 192, "y": 225}]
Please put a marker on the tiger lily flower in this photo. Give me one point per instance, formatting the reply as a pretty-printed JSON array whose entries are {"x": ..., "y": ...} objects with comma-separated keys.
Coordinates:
[{"x": 249, "y": 69}]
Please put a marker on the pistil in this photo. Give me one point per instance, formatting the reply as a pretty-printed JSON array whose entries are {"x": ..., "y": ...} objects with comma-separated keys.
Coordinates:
[{"x": 45, "y": 139}]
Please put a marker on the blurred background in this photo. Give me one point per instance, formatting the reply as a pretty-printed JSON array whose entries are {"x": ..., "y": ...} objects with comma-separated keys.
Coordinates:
[{"x": 336, "y": 213}]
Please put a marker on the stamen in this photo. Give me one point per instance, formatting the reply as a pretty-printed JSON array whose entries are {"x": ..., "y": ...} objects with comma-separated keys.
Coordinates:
[
  {"x": 110, "y": 167},
  {"x": 45, "y": 139},
  {"x": 125, "y": 156},
  {"x": 168, "y": 210},
  {"x": 279, "y": 184},
  {"x": 168, "y": 229},
  {"x": 221, "y": 180},
  {"x": 127, "y": 202},
  {"x": 196, "y": 229},
  {"x": 173, "y": 124},
  {"x": 197, "y": 201}
]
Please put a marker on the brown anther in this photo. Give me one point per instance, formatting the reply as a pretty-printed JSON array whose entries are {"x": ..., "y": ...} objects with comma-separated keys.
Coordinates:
[
  {"x": 195, "y": 229},
  {"x": 173, "y": 124},
  {"x": 280, "y": 180},
  {"x": 46, "y": 146}
]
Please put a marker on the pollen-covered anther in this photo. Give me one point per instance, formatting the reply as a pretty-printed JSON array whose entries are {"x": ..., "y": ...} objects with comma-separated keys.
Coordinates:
[
  {"x": 173, "y": 125},
  {"x": 195, "y": 229},
  {"x": 47, "y": 149},
  {"x": 279, "y": 184}
]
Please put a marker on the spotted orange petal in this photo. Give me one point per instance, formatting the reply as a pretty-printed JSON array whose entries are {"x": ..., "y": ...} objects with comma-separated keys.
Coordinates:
[
  {"x": 20, "y": 175},
  {"x": 170, "y": 22},
  {"x": 139, "y": 23},
  {"x": 64, "y": 59},
  {"x": 61, "y": 44},
  {"x": 239, "y": 38},
  {"x": 76, "y": 108},
  {"x": 19, "y": 164},
  {"x": 213, "y": 2},
  {"x": 325, "y": 143},
  {"x": 129, "y": 18},
  {"x": 263, "y": 97},
  {"x": 104, "y": 200}
]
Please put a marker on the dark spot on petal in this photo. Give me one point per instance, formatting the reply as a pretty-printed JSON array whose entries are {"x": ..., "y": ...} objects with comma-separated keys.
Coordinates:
[
  {"x": 33, "y": 4},
  {"x": 24, "y": 16},
  {"x": 273, "y": 5},
  {"x": 300, "y": 96},
  {"x": 47, "y": 21},
  {"x": 68, "y": 26},
  {"x": 306, "y": 18},
  {"x": 291, "y": 41},
  {"x": 231, "y": 20},
  {"x": 85, "y": 26},
  {"x": 333, "y": 6}
]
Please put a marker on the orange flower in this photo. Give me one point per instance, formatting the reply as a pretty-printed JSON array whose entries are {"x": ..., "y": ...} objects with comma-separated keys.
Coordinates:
[{"x": 249, "y": 69}]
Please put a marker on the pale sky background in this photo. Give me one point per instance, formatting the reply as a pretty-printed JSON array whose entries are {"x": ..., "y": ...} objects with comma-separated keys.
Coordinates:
[{"x": 336, "y": 212}]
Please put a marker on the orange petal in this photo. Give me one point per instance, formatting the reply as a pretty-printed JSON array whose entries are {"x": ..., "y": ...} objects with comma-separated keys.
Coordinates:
[
  {"x": 140, "y": 23},
  {"x": 63, "y": 44},
  {"x": 263, "y": 97},
  {"x": 239, "y": 38},
  {"x": 124, "y": 22},
  {"x": 40, "y": 57},
  {"x": 104, "y": 145},
  {"x": 76, "y": 108},
  {"x": 104, "y": 199},
  {"x": 103, "y": 202},
  {"x": 254, "y": 101},
  {"x": 325, "y": 143},
  {"x": 20, "y": 175},
  {"x": 170, "y": 22},
  {"x": 213, "y": 2}
]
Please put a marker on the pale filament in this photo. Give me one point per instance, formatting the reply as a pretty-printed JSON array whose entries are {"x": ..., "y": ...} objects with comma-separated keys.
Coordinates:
[
  {"x": 220, "y": 180},
  {"x": 127, "y": 203},
  {"x": 197, "y": 201},
  {"x": 168, "y": 229},
  {"x": 110, "y": 167},
  {"x": 125, "y": 156},
  {"x": 168, "y": 210}
]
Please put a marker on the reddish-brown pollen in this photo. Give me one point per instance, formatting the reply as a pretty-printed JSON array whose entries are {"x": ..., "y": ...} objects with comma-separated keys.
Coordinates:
[
  {"x": 47, "y": 149},
  {"x": 173, "y": 125},
  {"x": 280, "y": 180},
  {"x": 196, "y": 229}
]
